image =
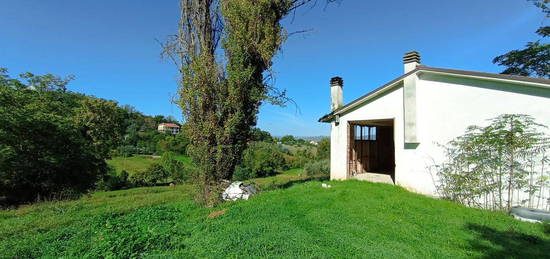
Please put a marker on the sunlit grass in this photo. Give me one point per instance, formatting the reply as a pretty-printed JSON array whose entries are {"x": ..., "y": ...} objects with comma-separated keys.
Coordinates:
[
  {"x": 351, "y": 219},
  {"x": 132, "y": 164},
  {"x": 139, "y": 163}
]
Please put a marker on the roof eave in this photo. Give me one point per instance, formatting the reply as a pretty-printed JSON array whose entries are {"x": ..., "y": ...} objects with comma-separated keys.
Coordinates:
[
  {"x": 537, "y": 82},
  {"x": 328, "y": 118}
]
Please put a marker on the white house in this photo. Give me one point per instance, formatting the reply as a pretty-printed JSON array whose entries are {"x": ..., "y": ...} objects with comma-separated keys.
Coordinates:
[
  {"x": 395, "y": 130},
  {"x": 172, "y": 128}
]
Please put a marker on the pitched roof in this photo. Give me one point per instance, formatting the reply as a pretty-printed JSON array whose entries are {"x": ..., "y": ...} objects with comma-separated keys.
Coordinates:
[
  {"x": 170, "y": 125},
  {"x": 540, "y": 82}
]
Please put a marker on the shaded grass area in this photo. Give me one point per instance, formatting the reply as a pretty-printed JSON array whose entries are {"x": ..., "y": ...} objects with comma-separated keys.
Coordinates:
[{"x": 351, "y": 219}]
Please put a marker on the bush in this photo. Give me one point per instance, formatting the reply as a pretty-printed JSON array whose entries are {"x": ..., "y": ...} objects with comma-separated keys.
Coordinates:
[
  {"x": 168, "y": 169},
  {"x": 320, "y": 167},
  {"x": 114, "y": 180},
  {"x": 497, "y": 166},
  {"x": 175, "y": 168},
  {"x": 153, "y": 175},
  {"x": 323, "y": 148},
  {"x": 263, "y": 159},
  {"x": 174, "y": 143},
  {"x": 294, "y": 161},
  {"x": 242, "y": 174}
]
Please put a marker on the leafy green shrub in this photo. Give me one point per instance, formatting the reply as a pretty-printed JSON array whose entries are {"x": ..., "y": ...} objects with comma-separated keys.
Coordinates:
[
  {"x": 320, "y": 167},
  {"x": 162, "y": 171},
  {"x": 288, "y": 139},
  {"x": 114, "y": 180},
  {"x": 323, "y": 148},
  {"x": 174, "y": 143},
  {"x": 175, "y": 168},
  {"x": 242, "y": 174},
  {"x": 497, "y": 166},
  {"x": 294, "y": 161},
  {"x": 263, "y": 159},
  {"x": 153, "y": 175}
]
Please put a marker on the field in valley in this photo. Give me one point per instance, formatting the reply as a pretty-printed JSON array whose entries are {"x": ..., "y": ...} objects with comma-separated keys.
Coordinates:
[
  {"x": 351, "y": 219},
  {"x": 137, "y": 163}
]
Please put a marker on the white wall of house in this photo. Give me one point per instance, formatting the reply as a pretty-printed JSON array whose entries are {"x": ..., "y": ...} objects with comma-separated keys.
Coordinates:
[
  {"x": 446, "y": 106},
  {"x": 389, "y": 106}
]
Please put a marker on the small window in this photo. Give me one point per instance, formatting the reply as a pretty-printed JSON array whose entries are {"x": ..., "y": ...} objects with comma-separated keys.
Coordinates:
[
  {"x": 357, "y": 132},
  {"x": 364, "y": 133},
  {"x": 372, "y": 135}
]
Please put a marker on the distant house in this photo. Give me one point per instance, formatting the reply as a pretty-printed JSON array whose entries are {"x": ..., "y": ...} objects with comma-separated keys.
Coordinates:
[
  {"x": 172, "y": 128},
  {"x": 394, "y": 132}
]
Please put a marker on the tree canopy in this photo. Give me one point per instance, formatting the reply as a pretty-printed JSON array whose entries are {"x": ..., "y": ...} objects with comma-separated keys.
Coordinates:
[
  {"x": 534, "y": 59},
  {"x": 53, "y": 143}
]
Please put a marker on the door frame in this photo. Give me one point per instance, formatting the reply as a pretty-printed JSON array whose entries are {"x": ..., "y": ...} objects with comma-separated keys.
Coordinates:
[{"x": 351, "y": 137}]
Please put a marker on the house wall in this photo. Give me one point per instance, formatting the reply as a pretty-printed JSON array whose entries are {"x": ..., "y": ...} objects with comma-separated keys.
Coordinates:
[
  {"x": 388, "y": 106},
  {"x": 445, "y": 107}
]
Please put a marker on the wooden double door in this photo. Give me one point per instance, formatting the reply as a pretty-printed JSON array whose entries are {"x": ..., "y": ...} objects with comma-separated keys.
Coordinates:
[{"x": 372, "y": 149}]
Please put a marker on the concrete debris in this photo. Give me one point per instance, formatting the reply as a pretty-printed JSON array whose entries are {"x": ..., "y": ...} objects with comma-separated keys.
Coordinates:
[
  {"x": 238, "y": 191},
  {"x": 324, "y": 185}
]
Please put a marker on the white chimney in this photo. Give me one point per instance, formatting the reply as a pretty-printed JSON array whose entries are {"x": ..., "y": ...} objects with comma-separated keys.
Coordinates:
[
  {"x": 336, "y": 92},
  {"x": 411, "y": 60}
]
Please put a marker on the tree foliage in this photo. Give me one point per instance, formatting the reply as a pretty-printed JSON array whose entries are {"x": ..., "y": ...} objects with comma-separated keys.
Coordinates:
[
  {"x": 534, "y": 59},
  {"x": 141, "y": 135},
  {"x": 262, "y": 159},
  {"x": 288, "y": 139},
  {"x": 260, "y": 135},
  {"x": 498, "y": 166},
  {"x": 318, "y": 167},
  {"x": 224, "y": 50},
  {"x": 323, "y": 148},
  {"x": 52, "y": 142}
]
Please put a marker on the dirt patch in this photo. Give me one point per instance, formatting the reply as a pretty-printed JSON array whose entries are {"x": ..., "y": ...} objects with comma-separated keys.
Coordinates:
[{"x": 214, "y": 214}]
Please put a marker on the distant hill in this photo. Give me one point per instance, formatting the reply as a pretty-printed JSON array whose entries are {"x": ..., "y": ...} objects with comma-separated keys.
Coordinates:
[{"x": 314, "y": 138}]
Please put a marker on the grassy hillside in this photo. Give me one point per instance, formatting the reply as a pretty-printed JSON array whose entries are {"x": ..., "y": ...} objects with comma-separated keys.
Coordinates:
[
  {"x": 138, "y": 163},
  {"x": 352, "y": 219},
  {"x": 132, "y": 164}
]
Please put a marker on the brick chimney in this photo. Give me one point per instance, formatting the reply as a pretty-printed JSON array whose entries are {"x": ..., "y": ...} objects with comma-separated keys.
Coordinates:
[
  {"x": 411, "y": 60},
  {"x": 336, "y": 92}
]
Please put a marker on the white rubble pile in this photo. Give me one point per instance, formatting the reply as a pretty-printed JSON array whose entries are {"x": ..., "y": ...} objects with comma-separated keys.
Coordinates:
[
  {"x": 324, "y": 185},
  {"x": 238, "y": 191}
]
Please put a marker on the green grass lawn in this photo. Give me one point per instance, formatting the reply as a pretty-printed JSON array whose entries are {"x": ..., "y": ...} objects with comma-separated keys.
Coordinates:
[
  {"x": 132, "y": 164},
  {"x": 351, "y": 219},
  {"x": 283, "y": 180},
  {"x": 138, "y": 163}
]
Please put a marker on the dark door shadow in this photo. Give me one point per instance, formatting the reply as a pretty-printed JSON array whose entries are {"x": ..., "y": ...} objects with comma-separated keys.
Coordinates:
[{"x": 494, "y": 243}]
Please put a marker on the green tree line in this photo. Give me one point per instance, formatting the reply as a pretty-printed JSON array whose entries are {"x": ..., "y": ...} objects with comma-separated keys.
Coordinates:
[{"x": 54, "y": 142}]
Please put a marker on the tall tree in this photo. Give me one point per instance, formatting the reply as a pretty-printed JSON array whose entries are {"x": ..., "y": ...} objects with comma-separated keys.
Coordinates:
[
  {"x": 224, "y": 50},
  {"x": 534, "y": 59}
]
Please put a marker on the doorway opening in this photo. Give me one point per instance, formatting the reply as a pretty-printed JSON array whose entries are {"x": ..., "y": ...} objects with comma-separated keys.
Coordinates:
[{"x": 371, "y": 149}]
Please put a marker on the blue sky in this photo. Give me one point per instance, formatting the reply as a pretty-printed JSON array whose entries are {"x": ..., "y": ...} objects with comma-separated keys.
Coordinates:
[{"x": 111, "y": 48}]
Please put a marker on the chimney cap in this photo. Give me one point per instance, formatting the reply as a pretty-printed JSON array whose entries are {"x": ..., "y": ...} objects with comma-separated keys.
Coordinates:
[
  {"x": 337, "y": 81},
  {"x": 410, "y": 57}
]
